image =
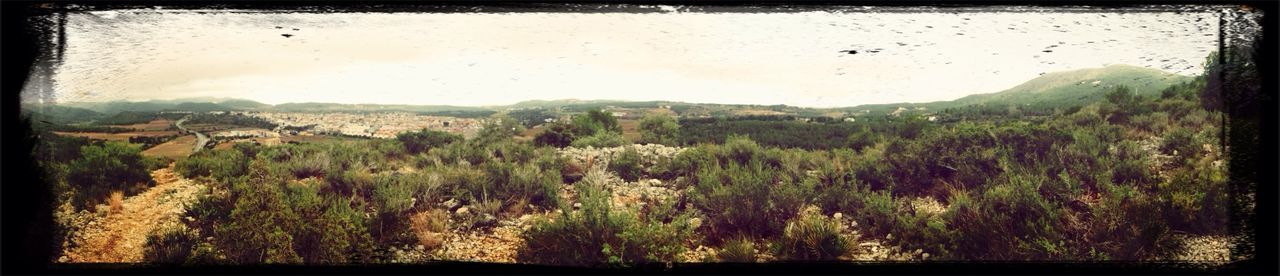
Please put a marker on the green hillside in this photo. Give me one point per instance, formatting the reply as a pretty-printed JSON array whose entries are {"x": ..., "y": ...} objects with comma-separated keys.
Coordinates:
[{"x": 1058, "y": 89}]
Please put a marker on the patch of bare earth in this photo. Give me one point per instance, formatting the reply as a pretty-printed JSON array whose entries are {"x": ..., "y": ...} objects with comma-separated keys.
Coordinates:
[{"x": 120, "y": 237}]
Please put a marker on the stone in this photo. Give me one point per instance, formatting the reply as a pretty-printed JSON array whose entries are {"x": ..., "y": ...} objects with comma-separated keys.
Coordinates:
[
  {"x": 462, "y": 211},
  {"x": 486, "y": 220}
]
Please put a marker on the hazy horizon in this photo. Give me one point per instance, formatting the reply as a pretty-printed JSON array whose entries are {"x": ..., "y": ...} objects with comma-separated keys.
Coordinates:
[{"x": 494, "y": 59}]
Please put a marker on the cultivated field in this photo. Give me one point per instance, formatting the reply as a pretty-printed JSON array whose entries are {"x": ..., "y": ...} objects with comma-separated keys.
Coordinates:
[{"x": 176, "y": 149}]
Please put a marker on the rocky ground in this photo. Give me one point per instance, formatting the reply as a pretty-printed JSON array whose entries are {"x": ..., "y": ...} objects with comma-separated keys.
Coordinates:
[{"x": 120, "y": 237}]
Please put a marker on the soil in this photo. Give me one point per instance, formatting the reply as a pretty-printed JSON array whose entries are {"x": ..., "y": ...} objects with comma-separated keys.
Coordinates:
[{"x": 120, "y": 237}]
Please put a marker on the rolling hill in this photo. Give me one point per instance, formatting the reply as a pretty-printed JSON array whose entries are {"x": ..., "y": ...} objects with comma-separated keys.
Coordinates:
[
  {"x": 1058, "y": 89},
  {"x": 1051, "y": 90}
]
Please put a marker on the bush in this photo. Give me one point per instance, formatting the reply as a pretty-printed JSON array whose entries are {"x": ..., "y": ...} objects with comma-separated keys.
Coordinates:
[
  {"x": 498, "y": 129},
  {"x": 747, "y": 199},
  {"x": 113, "y": 166},
  {"x": 557, "y": 134},
  {"x": 426, "y": 139},
  {"x": 738, "y": 250},
  {"x": 219, "y": 164},
  {"x": 1179, "y": 142},
  {"x": 598, "y": 234},
  {"x": 1009, "y": 221},
  {"x": 256, "y": 231},
  {"x": 627, "y": 165},
  {"x": 171, "y": 245},
  {"x": 430, "y": 227},
  {"x": 813, "y": 237},
  {"x": 603, "y": 139},
  {"x": 659, "y": 129}
]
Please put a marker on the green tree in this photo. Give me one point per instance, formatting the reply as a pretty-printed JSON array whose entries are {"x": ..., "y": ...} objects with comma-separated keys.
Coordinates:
[
  {"x": 558, "y": 134},
  {"x": 595, "y": 121},
  {"x": 659, "y": 129}
]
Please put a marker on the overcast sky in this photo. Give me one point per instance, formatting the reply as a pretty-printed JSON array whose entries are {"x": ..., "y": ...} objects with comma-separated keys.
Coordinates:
[{"x": 503, "y": 58}]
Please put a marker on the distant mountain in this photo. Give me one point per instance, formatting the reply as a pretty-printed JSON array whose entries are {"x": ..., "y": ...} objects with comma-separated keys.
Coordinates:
[
  {"x": 185, "y": 104},
  {"x": 555, "y": 103},
  {"x": 1058, "y": 89},
  {"x": 58, "y": 114},
  {"x": 336, "y": 107}
]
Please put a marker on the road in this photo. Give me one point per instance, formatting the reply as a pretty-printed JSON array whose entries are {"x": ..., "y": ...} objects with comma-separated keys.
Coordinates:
[{"x": 201, "y": 139}]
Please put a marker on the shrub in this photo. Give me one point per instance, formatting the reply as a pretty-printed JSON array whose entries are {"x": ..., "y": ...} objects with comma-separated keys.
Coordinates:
[
  {"x": 172, "y": 244},
  {"x": 1179, "y": 142},
  {"x": 116, "y": 201},
  {"x": 658, "y": 129},
  {"x": 219, "y": 164},
  {"x": 1197, "y": 199},
  {"x": 602, "y": 139},
  {"x": 344, "y": 235},
  {"x": 746, "y": 199},
  {"x": 627, "y": 165},
  {"x": 430, "y": 227},
  {"x": 256, "y": 231},
  {"x": 426, "y": 139},
  {"x": 1009, "y": 221},
  {"x": 113, "y": 166},
  {"x": 557, "y": 134},
  {"x": 813, "y": 237},
  {"x": 738, "y": 250},
  {"x": 598, "y": 234},
  {"x": 315, "y": 165},
  {"x": 535, "y": 185},
  {"x": 498, "y": 129}
]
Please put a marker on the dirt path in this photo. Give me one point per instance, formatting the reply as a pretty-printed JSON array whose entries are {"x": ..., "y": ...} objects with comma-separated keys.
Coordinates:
[{"x": 121, "y": 237}]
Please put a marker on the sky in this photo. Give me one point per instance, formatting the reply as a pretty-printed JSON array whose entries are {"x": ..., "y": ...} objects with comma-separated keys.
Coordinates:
[{"x": 476, "y": 59}]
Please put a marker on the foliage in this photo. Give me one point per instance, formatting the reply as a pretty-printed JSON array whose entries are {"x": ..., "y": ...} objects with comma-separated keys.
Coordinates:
[
  {"x": 658, "y": 129},
  {"x": 627, "y": 165},
  {"x": 172, "y": 244},
  {"x": 426, "y": 139},
  {"x": 112, "y": 166},
  {"x": 602, "y": 139},
  {"x": 813, "y": 237},
  {"x": 738, "y": 250},
  {"x": 599, "y": 235}
]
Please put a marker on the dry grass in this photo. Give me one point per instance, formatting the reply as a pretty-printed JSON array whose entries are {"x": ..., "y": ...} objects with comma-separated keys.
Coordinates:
[
  {"x": 158, "y": 124},
  {"x": 430, "y": 227},
  {"x": 175, "y": 149},
  {"x": 116, "y": 201}
]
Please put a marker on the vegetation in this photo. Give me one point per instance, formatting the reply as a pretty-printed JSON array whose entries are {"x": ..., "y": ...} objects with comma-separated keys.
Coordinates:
[
  {"x": 1117, "y": 177},
  {"x": 600, "y": 234},
  {"x": 658, "y": 129}
]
